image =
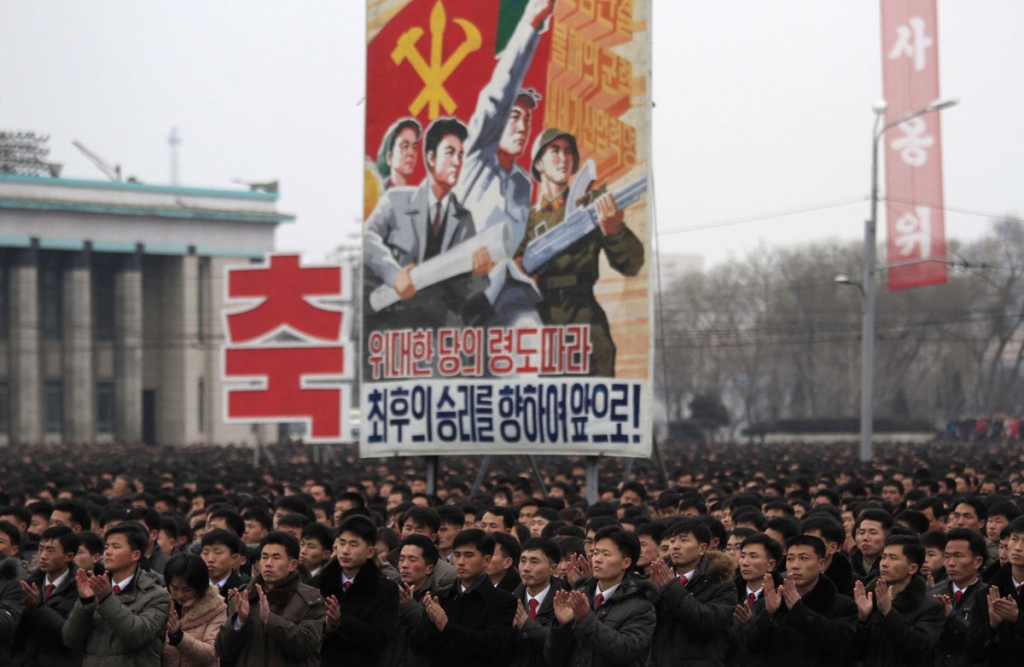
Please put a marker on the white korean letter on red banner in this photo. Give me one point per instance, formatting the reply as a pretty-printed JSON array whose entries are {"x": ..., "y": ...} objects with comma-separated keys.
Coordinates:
[
  {"x": 913, "y": 150},
  {"x": 287, "y": 354}
]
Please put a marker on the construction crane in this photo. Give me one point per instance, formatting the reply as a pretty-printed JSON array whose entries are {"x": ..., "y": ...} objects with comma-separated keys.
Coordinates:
[{"x": 113, "y": 172}]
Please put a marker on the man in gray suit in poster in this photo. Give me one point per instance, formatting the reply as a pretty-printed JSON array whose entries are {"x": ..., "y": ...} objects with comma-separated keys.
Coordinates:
[{"x": 412, "y": 225}]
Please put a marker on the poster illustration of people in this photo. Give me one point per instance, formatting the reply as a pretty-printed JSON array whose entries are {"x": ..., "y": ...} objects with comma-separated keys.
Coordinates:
[{"x": 506, "y": 244}]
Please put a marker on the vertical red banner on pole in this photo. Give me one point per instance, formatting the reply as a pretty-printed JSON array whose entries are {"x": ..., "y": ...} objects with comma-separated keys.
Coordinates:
[{"x": 916, "y": 237}]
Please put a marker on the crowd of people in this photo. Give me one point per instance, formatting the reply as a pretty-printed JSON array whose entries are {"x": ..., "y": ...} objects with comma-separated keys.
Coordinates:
[{"x": 732, "y": 555}]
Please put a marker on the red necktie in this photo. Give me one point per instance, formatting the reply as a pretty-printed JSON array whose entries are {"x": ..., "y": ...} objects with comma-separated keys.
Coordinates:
[
  {"x": 49, "y": 591},
  {"x": 117, "y": 589},
  {"x": 436, "y": 227},
  {"x": 751, "y": 600},
  {"x": 959, "y": 596},
  {"x": 533, "y": 608},
  {"x": 347, "y": 585},
  {"x": 683, "y": 580},
  {"x": 598, "y": 602},
  {"x": 1020, "y": 590}
]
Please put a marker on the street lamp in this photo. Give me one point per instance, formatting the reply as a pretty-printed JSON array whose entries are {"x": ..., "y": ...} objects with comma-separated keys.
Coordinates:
[{"x": 868, "y": 288}]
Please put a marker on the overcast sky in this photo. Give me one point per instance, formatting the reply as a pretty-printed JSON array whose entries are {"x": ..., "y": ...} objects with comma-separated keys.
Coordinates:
[{"x": 762, "y": 108}]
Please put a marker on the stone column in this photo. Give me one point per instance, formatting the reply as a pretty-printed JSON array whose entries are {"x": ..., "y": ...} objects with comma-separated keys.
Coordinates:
[
  {"x": 78, "y": 385},
  {"x": 26, "y": 390},
  {"x": 128, "y": 349}
]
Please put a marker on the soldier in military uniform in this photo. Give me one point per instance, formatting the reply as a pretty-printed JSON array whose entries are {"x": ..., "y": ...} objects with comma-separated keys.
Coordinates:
[{"x": 567, "y": 281}]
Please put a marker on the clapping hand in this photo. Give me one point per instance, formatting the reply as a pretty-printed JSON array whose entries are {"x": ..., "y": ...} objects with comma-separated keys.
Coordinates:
[
  {"x": 865, "y": 601},
  {"x": 772, "y": 597},
  {"x": 562, "y": 608}
]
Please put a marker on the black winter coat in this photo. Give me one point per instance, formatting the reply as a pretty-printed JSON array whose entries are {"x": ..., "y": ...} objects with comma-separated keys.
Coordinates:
[
  {"x": 907, "y": 635},
  {"x": 369, "y": 616},
  {"x": 695, "y": 621},
  {"x": 35, "y": 645},
  {"x": 12, "y": 603},
  {"x": 816, "y": 631},
  {"x": 529, "y": 641},
  {"x": 1002, "y": 646},
  {"x": 973, "y": 608},
  {"x": 619, "y": 634},
  {"x": 478, "y": 631}
]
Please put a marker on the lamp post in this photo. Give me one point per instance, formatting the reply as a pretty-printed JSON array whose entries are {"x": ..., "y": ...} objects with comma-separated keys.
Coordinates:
[{"x": 868, "y": 288}]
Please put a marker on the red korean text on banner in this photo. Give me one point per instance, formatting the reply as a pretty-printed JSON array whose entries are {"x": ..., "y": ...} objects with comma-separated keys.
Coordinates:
[
  {"x": 287, "y": 355},
  {"x": 916, "y": 238}
]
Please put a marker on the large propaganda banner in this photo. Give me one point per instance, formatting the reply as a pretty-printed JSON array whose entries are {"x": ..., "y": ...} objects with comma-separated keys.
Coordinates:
[
  {"x": 916, "y": 237},
  {"x": 506, "y": 240}
]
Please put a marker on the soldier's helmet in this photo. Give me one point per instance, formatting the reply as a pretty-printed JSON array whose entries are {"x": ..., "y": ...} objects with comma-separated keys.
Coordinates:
[{"x": 542, "y": 141}]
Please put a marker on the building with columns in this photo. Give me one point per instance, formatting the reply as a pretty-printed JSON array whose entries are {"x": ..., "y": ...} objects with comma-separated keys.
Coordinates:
[{"x": 110, "y": 300}]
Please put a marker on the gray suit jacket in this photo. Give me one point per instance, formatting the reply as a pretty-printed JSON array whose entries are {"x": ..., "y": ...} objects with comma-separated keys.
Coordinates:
[{"x": 396, "y": 233}]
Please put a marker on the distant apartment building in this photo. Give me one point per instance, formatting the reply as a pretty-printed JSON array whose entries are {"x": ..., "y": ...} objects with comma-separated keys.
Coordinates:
[
  {"x": 672, "y": 267},
  {"x": 110, "y": 300}
]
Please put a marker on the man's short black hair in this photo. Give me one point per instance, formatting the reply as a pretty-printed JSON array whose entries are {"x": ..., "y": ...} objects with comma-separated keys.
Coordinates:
[
  {"x": 786, "y": 526},
  {"x": 507, "y": 514},
  {"x": 911, "y": 546},
  {"x": 917, "y": 521},
  {"x": 653, "y": 529},
  {"x": 223, "y": 537},
  {"x": 92, "y": 542},
  {"x": 423, "y": 516},
  {"x": 742, "y": 533},
  {"x": 980, "y": 508},
  {"x": 772, "y": 548},
  {"x": 260, "y": 516},
  {"x": 451, "y": 515},
  {"x": 232, "y": 519},
  {"x": 878, "y": 515},
  {"x": 426, "y": 546},
  {"x": 319, "y": 532},
  {"x": 812, "y": 541},
  {"x": 975, "y": 542},
  {"x": 833, "y": 497},
  {"x": 293, "y": 520},
  {"x": 830, "y": 530},
  {"x": 146, "y": 516},
  {"x": 68, "y": 538},
  {"x": 509, "y": 547},
  {"x": 134, "y": 532},
  {"x": 293, "y": 504},
  {"x": 41, "y": 508},
  {"x": 637, "y": 488},
  {"x": 17, "y": 510},
  {"x": 78, "y": 511},
  {"x": 627, "y": 543},
  {"x": 780, "y": 505},
  {"x": 667, "y": 499},
  {"x": 286, "y": 540},
  {"x": 476, "y": 538},
  {"x": 438, "y": 130},
  {"x": 597, "y": 523},
  {"x": 752, "y": 516},
  {"x": 1017, "y": 525},
  {"x": 693, "y": 501},
  {"x": 111, "y": 513},
  {"x": 1005, "y": 508},
  {"x": 546, "y": 546},
  {"x": 11, "y": 531},
  {"x": 690, "y": 525},
  {"x": 935, "y": 503},
  {"x": 361, "y": 527},
  {"x": 356, "y": 499},
  {"x": 934, "y": 539}
]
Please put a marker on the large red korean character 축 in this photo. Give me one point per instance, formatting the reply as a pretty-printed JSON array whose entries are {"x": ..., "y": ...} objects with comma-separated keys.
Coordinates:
[
  {"x": 300, "y": 383},
  {"x": 286, "y": 292}
]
